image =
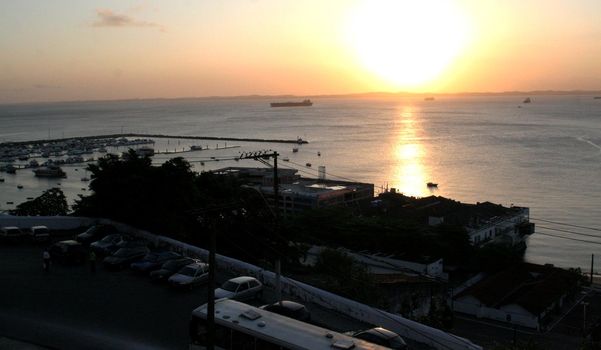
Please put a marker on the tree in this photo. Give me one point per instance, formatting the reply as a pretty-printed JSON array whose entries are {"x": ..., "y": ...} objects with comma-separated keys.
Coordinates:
[
  {"x": 348, "y": 277},
  {"x": 133, "y": 191},
  {"x": 51, "y": 203}
]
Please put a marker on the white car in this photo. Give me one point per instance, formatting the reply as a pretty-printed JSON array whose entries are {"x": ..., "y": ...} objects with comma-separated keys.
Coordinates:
[
  {"x": 240, "y": 288},
  {"x": 190, "y": 275}
]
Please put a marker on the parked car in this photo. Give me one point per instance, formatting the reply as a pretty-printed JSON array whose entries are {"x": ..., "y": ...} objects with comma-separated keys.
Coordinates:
[
  {"x": 290, "y": 309},
  {"x": 123, "y": 257},
  {"x": 169, "y": 268},
  {"x": 39, "y": 234},
  {"x": 153, "y": 261},
  {"x": 68, "y": 252},
  {"x": 11, "y": 234},
  {"x": 190, "y": 275},
  {"x": 382, "y": 336},
  {"x": 241, "y": 288},
  {"x": 94, "y": 233},
  {"x": 131, "y": 242},
  {"x": 106, "y": 245}
]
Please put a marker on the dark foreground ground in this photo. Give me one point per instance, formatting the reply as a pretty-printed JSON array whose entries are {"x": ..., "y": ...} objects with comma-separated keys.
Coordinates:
[{"x": 70, "y": 308}]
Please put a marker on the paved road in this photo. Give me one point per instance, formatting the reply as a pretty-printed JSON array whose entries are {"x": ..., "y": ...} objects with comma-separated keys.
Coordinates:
[{"x": 69, "y": 308}]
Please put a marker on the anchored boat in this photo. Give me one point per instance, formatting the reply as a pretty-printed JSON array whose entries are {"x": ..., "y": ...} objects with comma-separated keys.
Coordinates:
[{"x": 50, "y": 171}]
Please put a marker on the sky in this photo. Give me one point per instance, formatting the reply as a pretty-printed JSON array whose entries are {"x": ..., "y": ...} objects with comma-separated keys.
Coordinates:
[{"x": 88, "y": 50}]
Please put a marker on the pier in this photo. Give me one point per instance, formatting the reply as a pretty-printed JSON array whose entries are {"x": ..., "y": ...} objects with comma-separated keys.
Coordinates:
[{"x": 156, "y": 136}]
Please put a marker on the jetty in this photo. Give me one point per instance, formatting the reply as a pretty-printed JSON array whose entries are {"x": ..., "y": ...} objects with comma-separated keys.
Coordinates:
[{"x": 156, "y": 136}]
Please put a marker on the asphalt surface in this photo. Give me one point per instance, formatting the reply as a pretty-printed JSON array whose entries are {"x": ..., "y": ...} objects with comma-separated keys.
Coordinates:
[{"x": 71, "y": 308}]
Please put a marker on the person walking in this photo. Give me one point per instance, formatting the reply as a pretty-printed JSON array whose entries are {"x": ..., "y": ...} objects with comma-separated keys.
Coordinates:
[
  {"x": 92, "y": 259},
  {"x": 46, "y": 258}
]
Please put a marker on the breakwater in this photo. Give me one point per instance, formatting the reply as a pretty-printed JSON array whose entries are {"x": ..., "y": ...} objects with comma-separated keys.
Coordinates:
[{"x": 159, "y": 136}]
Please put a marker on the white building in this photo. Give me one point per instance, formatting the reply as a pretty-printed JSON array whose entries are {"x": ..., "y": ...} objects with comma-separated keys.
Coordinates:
[
  {"x": 523, "y": 295},
  {"x": 385, "y": 264}
]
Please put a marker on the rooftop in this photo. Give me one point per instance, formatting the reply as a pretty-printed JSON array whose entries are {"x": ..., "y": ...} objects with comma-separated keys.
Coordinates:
[
  {"x": 454, "y": 212},
  {"x": 533, "y": 287}
]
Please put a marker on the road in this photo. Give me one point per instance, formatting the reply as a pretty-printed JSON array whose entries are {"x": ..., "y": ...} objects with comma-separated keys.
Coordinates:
[{"x": 70, "y": 308}]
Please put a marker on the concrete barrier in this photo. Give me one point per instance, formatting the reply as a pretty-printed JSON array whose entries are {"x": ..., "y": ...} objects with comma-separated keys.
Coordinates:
[{"x": 52, "y": 222}]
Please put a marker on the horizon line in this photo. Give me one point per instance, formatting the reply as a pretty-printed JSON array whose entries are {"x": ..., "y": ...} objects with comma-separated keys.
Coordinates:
[{"x": 341, "y": 95}]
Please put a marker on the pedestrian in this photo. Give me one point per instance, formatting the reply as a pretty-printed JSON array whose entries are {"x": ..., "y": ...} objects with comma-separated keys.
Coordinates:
[
  {"x": 92, "y": 259},
  {"x": 46, "y": 258}
]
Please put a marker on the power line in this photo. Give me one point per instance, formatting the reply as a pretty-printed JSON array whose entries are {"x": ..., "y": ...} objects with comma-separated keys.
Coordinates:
[
  {"x": 330, "y": 174},
  {"x": 568, "y": 238},
  {"x": 568, "y": 231},
  {"x": 564, "y": 224}
]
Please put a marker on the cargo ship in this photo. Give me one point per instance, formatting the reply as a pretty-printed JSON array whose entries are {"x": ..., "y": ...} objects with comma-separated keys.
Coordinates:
[{"x": 304, "y": 103}]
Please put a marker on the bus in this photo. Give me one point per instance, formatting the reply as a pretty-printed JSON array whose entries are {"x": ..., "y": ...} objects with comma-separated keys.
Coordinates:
[{"x": 244, "y": 327}]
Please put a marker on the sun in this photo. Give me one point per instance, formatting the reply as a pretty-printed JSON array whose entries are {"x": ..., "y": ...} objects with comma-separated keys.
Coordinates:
[{"x": 407, "y": 43}]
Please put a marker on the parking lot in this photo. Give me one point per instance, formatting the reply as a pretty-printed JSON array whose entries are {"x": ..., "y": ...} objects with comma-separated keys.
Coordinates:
[{"x": 71, "y": 308}]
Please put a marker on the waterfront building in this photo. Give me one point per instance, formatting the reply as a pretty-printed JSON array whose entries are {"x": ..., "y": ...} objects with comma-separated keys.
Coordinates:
[
  {"x": 484, "y": 222},
  {"x": 297, "y": 193}
]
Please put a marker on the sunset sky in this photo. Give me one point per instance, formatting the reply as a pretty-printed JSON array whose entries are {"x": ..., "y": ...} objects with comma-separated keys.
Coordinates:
[{"x": 74, "y": 50}]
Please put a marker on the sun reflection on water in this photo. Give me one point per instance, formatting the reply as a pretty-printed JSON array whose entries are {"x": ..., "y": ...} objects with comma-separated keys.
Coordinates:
[{"x": 408, "y": 155}]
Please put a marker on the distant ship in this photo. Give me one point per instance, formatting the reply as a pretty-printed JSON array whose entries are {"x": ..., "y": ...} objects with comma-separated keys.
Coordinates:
[
  {"x": 304, "y": 103},
  {"x": 527, "y": 100},
  {"x": 597, "y": 97},
  {"x": 429, "y": 99}
]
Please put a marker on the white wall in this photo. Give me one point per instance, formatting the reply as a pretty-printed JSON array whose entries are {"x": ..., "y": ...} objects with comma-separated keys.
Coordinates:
[{"x": 472, "y": 306}]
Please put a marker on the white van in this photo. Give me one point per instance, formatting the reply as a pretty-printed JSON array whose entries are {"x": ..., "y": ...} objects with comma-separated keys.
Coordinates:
[
  {"x": 10, "y": 234},
  {"x": 39, "y": 233}
]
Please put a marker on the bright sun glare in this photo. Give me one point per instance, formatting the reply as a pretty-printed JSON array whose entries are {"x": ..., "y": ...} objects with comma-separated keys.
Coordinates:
[{"x": 407, "y": 42}]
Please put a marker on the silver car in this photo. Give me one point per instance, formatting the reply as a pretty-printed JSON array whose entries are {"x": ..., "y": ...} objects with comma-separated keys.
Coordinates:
[
  {"x": 240, "y": 288},
  {"x": 190, "y": 275}
]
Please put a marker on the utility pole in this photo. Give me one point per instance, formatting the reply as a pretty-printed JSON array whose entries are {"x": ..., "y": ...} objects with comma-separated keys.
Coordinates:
[
  {"x": 261, "y": 156},
  {"x": 211, "y": 216},
  {"x": 584, "y": 304},
  {"x": 592, "y": 263},
  {"x": 211, "y": 287}
]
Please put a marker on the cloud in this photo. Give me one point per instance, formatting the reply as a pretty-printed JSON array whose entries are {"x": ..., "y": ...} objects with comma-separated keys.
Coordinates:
[{"x": 108, "y": 18}]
